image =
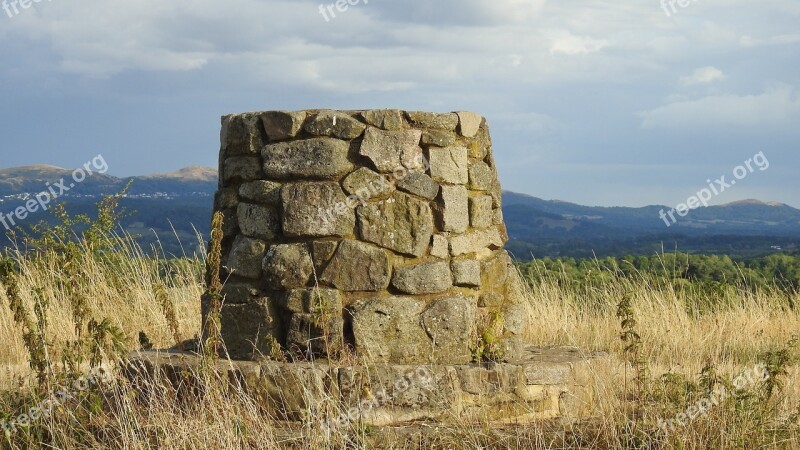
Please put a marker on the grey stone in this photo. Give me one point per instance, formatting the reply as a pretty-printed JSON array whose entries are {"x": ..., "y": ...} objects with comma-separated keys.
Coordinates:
[
  {"x": 316, "y": 210},
  {"x": 316, "y": 335},
  {"x": 265, "y": 192},
  {"x": 495, "y": 273},
  {"x": 245, "y": 258},
  {"x": 469, "y": 123},
  {"x": 314, "y": 301},
  {"x": 358, "y": 266},
  {"x": 334, "y": 124},
  {"x": 392, "y": 150},
  {"x": 497, "y": 216},
  {"x": 402, "y": 223},
  {"x": 242, "y": 135},
  {"x": 449, "y": 165},
  {"x": 248, "y": 330},
  {"x": 450, "y": 323},
  {"x": 480, "y": 211},
  {"x": 481, "y": 177},
  {"x": 230, "y": 223},
  {"x": 321, "y": 253},
  {"x": 241, "y": 169},
  {"x": 318, "y": 158},
  {"x": 466, "y": 273},
  {"x": 440, "y": 247},
  {"x": 497, "y": 195},
  {"x": 281, "y": 125},
  {"x": 287, "y": 266},
  {"x": 291, "y": 391},
  {"x": 430, "y": 278},
  {"x": 453, "y": 209},
  {"x": 480, "y": 145},
  {"x": 515, "y": 318},
  {"x": 491, "y": 300},
  {"x": 387, "y": 119},
  {"x": 258, "y": 221},
  {"x": 367, "y": 184},
  {"x": 438, "y": 138},
  {"x": 225, "y": 198},
  {"x": 476, "y": 241},
  {"x": 388, "y": 330},
  {"x": 419, "y": 184},
  {"x": 447, "y": 121},
  {"x": 239, "y": 293},
  {"x": 411, "y": 389}
]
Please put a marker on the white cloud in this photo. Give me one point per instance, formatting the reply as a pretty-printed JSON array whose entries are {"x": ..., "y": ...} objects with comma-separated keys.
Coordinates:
[
  {"x": 777, "y": 107},
  {"x": 783, "y": 39},
  {"x": 703, "y": 75},
  {"x": 577, "y": 45}
]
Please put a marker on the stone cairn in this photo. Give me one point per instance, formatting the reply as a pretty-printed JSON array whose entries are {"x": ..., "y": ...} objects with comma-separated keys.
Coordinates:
[{"x": 380, "y": 232}]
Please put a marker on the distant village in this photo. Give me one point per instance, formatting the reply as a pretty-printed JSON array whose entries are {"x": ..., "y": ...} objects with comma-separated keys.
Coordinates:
[{"x": 149, "y": 195}]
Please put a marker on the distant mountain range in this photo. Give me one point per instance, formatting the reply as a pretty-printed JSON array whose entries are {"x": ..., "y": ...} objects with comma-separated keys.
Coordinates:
[
  {"x": 555, "y": 228},
  {"x": 171, "y": 209}
]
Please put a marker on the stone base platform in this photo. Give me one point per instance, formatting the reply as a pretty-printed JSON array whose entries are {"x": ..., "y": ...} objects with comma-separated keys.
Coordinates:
[{"x": 543, "y": 383}]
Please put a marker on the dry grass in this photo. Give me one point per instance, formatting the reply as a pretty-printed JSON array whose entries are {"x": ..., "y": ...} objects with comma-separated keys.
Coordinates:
[{"x": 731, "y": 337}]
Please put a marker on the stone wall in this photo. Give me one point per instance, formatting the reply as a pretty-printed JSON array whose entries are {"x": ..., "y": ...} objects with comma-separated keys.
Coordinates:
[{"x": 376, "y": 231}]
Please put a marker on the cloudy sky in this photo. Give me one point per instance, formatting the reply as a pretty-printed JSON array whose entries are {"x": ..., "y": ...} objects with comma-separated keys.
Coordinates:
[{"x": 598, "y": 102}]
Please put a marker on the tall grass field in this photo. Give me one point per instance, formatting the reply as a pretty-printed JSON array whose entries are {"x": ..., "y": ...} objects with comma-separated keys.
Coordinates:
[{"x": 76, "y": 304}]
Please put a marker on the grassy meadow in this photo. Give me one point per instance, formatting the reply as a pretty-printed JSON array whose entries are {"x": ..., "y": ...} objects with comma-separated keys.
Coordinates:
[{"x": 68, "y": 305}]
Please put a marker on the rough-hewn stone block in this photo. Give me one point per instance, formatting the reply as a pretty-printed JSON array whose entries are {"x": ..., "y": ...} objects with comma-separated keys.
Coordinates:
[
  {"x": 241, "y": 169},
  {"x": 245, "y": 258},
  {"x": 453, "y": 209},
  {"x": 469, "y": 123},
  {"x": 392, "y": 150},
  {"x": 247, "y": 328},
  {"x": 387, "y": 119},
  {"x": 467, "y": 273},
  {"x": 480, "y": 211},
  {"x": 335, "y": 124},
  {"x": 281, "y": 125},
  {"x": 366, "y": 185},
  {"x": 264, "y": 192},
  {"x": 314, "y": 301},
  {"x": 287, "y": 266},
  {"x": 451, "y": 324},
  {"x": 447, "y": 121},
  {"x": 419, "y": 184},
  {"x": 388, "y": 330},
  {"x": 241, "y": 135},
  {"x": 429, "y": 278},
  {"x": 316, "y": 210},
  {"x": 477, "y": 240},
  {"x": 438, "y": 138},
  {"x": 481, "y": 176},
  {"x": 401, "y": 223},
  {"x": 358, "y": 266},
  {"x": 440, "y": 248},
  {"x": 318, "y": 158},
  {"x": 449, "y": 165},
  {"x": 258, "y": 221}
]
